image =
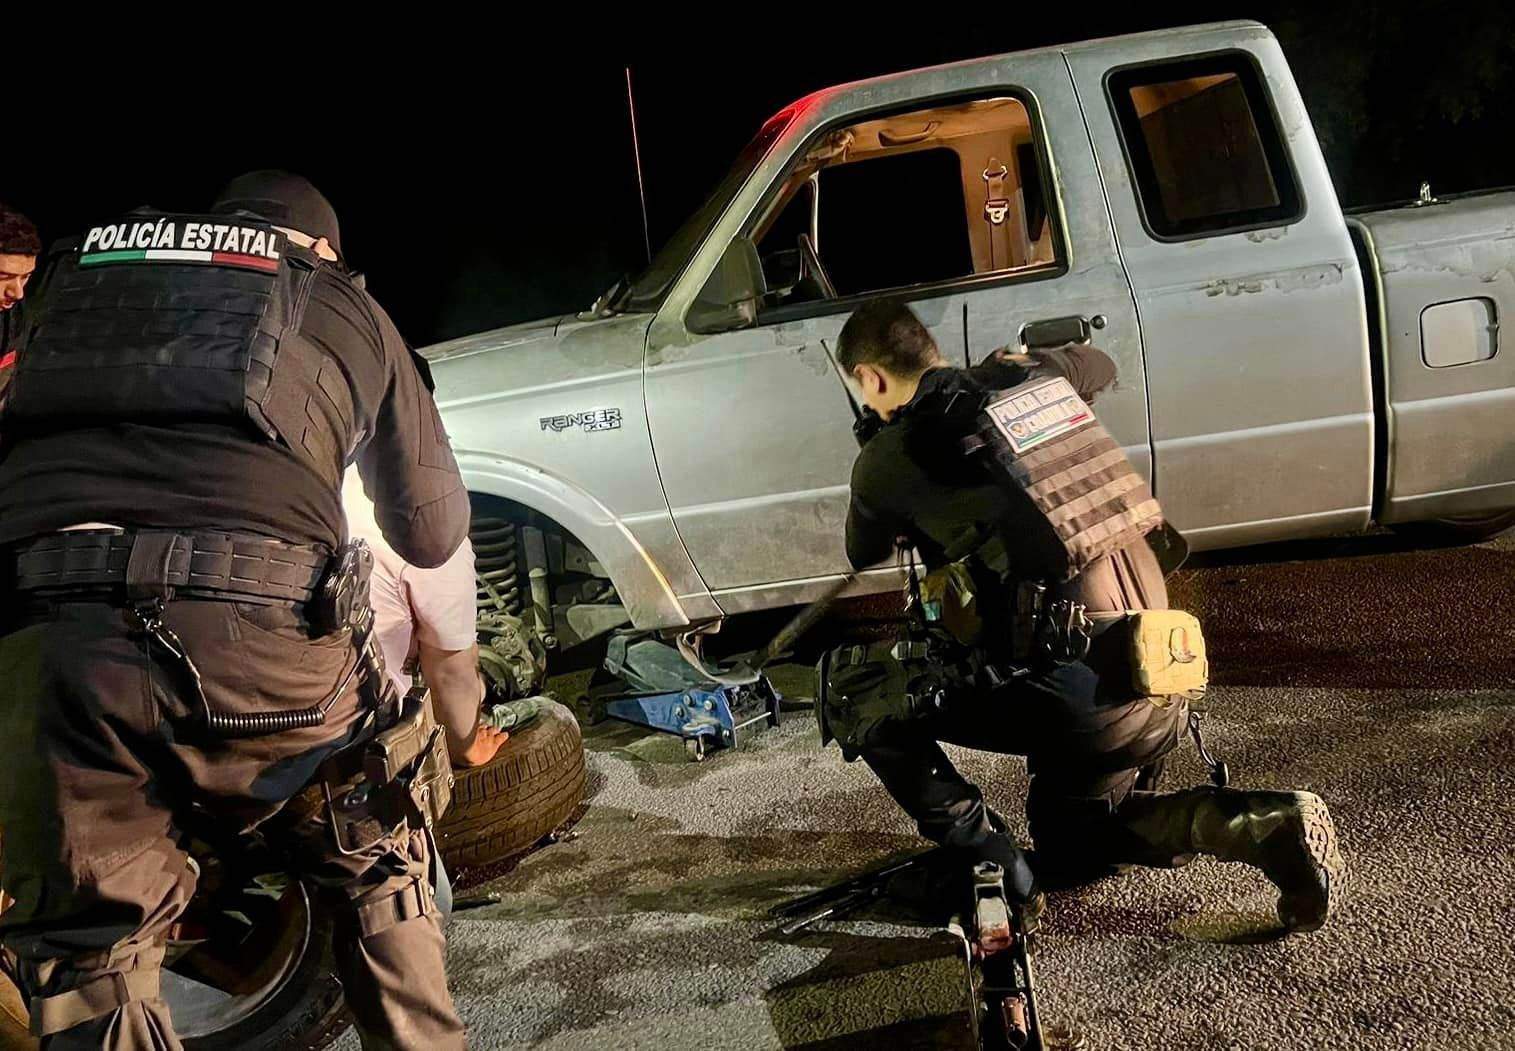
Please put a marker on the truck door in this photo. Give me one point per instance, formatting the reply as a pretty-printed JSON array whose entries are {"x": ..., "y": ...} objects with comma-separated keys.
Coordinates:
[
  {"x": 937, "y": 187},
  {"x": 1250, "y": 296},
  {"x": 1063, "y": 281}
]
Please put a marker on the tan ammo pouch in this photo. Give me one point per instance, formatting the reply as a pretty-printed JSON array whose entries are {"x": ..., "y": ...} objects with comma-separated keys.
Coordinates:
[
  {"x": 404, "y": 776},
  {"x": 1165, "y": 649},
  {"x": 1168, "y": 657}
]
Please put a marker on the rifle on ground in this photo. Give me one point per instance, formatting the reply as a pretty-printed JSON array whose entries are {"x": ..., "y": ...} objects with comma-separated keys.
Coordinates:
[{"x": 996, "y": 935}]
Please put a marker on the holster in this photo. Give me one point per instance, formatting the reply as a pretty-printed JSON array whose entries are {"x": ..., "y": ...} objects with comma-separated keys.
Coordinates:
[
  {"x": 413, "y": 753},
  {"x": 402, "y": 776},
  {"x": 868, "y": 690}
]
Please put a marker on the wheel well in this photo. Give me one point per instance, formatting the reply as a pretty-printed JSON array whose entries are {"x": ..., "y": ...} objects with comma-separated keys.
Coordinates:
[
  {"x": 502, "y": 530},
  {"x": 483, "y": 505}
]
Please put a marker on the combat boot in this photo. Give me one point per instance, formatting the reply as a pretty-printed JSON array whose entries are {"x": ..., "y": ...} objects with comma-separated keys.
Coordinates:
[{"x": 1287, "y": 835}]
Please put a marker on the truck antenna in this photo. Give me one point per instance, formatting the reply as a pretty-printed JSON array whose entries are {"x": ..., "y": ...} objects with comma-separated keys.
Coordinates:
[{"x": 636, "y": 152}]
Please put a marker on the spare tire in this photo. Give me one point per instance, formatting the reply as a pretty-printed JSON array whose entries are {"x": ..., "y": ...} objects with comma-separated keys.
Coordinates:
[
  {"x": 532, "y": 786},
  {"x": 295, "y": 1005}
]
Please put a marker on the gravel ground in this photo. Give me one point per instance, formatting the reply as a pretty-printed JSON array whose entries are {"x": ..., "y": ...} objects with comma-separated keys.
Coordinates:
[{"x": 1382, "y": 678}]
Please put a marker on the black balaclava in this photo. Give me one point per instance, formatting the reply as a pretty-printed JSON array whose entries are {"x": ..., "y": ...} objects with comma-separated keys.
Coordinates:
[{"x": 283, "y": 199}]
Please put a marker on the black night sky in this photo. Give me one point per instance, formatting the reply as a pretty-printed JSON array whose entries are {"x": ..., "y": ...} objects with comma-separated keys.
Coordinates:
[{"x": 482, "y": 191}]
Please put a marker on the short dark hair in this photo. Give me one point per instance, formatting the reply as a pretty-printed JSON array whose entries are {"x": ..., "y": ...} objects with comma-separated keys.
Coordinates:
[
  {"x": 17, "y": 234},
  {"x": 886, "y": 333}
]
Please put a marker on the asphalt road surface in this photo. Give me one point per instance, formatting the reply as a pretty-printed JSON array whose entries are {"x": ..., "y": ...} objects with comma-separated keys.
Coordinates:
[{"x": 1381, "y": 677}]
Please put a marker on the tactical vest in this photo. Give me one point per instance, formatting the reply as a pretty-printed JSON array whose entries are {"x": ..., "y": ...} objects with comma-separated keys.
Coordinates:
[
  {"x": 166, "y": 318},
  {"x": 1041, "y": 440}
]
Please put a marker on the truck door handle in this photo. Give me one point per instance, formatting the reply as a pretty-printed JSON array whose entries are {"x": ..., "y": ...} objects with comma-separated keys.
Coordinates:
[{"x": 1060, "y": 331}]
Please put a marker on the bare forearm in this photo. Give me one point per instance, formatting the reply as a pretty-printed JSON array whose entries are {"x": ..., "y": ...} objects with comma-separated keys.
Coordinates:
[{"x": 457, "y": 691}]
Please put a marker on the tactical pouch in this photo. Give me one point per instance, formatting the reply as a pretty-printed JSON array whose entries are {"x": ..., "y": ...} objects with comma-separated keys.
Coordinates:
[
  {"x": 1167, "y": 651},
  {"x": 949, "y": 600}
]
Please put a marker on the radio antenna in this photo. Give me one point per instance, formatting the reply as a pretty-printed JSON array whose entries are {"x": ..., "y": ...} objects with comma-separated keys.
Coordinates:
[{"x": 636, "y": 152}]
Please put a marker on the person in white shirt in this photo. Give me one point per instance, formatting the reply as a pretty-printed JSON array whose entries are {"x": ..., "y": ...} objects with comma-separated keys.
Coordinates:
[{"x": 428, "y": 614}]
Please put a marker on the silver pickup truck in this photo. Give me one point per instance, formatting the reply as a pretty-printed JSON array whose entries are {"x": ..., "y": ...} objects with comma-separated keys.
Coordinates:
[{"x": 680, "y": 452}]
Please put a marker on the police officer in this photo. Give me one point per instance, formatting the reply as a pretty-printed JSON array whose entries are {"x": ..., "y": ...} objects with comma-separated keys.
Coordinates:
[
  {"x": 174, "y": 446},
  {"x": 1093, "y": 742}
]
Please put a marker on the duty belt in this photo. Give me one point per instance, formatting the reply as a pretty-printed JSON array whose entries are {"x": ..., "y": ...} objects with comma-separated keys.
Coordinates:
[
  {"x": 150, "y": 568},
  {"x": 145, "y": 562}
]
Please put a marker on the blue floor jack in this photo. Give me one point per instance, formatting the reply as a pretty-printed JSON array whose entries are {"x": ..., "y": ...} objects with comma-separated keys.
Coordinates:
[
  {"x": 708, "y": 716},
  {"x": 674, "y": 691}
]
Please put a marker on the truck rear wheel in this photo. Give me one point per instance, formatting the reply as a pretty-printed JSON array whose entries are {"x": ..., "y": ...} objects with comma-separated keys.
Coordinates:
[
  {"x": 1463, "y": 529},
  {"x": 504, "y": 807}
]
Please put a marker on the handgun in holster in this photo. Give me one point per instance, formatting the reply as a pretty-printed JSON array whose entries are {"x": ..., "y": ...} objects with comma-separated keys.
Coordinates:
[
  {"x": 413, "y": 753},
  {"x": 402, "y": 776},
  {"x": 1030, "y": 599}
]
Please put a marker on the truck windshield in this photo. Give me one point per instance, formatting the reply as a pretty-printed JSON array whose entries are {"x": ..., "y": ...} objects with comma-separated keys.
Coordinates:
[{"x": 647, "y": 290}]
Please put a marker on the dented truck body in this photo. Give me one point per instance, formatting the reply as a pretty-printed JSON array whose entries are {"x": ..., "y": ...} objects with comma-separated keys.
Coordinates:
[{"x": 1286, "y": 371}]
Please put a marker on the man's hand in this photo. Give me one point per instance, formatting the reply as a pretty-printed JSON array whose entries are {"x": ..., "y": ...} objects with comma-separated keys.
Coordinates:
[
  {"x": 1010, "y": 357},
  {"x": 486, "y": 743},
  {"x": 457, "y": 697}
]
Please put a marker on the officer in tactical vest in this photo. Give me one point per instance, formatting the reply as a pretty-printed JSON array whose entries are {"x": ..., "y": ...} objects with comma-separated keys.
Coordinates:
[
  {"x": 183, "y": 628},
  {"x": 1042, "y": 628}
]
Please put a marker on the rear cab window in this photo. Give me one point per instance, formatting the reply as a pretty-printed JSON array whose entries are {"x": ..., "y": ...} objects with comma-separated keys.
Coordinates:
[{"x": 1204, "y": 147}]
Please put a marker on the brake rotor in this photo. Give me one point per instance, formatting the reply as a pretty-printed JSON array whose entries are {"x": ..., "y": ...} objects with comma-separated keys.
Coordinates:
[{"x": 511, "y": 654}]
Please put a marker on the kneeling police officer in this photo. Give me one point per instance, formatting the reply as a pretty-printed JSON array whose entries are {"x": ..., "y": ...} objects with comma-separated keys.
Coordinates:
[
  {"x": 1041, "y": 630},
  {"x": 184, "y": 631}
]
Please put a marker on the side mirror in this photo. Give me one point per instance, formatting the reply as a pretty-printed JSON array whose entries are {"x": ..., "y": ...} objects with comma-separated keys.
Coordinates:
[{"x": 731, "y": 295}]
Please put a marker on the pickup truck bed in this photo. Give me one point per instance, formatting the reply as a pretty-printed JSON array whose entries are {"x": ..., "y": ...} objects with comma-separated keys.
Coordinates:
[{"x": 1441, "y": 276}]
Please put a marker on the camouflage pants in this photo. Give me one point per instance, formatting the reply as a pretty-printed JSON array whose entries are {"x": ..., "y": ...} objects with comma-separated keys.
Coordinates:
[{"x": 100, "y": 758}]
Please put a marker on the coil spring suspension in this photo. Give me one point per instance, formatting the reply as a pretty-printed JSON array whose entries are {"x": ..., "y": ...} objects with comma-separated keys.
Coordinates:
[{"x": 497, "y": 561}]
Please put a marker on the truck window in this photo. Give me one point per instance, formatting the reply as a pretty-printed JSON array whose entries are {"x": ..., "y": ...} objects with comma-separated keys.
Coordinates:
[
  {"x": 1203, "y": 147},
  {"x": 895, "y": 220},
  {"x": 647, "y": 290},
  {"x": 924, "y": 197}
]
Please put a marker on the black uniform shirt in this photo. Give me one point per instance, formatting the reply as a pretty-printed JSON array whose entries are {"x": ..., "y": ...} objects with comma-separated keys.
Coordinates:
[
  {"x": 215, "y": 477},
  {"x": 911, "y": 481}
]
